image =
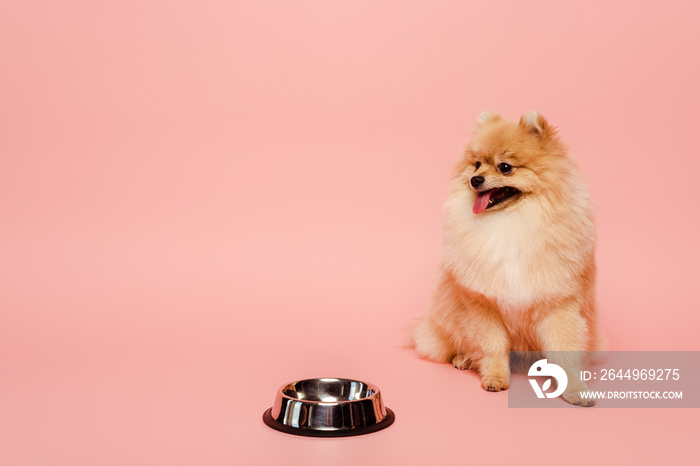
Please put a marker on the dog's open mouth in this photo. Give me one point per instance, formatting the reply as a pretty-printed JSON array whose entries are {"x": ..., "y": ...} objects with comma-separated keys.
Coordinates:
[{"x": 493, "y": 197}]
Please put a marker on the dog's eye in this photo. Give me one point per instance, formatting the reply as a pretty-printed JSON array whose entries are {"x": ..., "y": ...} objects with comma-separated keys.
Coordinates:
[
  {"x": 504, "y": 168},
  {"x": 477, "y": 164}
]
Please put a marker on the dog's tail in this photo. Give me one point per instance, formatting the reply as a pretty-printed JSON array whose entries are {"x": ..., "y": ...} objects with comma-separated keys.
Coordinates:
[{"x": 407, "y": 336}]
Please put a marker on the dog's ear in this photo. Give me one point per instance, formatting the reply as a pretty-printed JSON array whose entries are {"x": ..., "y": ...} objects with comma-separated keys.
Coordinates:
[
  {"x": 486, "y": 117},
  {"x": 535, "y": 124}
]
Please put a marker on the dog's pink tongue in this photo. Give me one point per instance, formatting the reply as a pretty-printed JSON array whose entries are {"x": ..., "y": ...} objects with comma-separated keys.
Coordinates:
[{"x": 482, "y": 200}]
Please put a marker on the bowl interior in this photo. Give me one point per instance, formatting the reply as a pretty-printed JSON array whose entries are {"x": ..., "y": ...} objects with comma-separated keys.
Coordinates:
[{"x": 329, "y": 390}]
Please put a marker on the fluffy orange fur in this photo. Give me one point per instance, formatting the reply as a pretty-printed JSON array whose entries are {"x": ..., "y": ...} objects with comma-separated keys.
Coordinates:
[{"x": 519, "y": 274}]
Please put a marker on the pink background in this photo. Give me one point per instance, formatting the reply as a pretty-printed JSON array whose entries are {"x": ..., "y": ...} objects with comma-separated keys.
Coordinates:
[{"x": 201, "y": 201}]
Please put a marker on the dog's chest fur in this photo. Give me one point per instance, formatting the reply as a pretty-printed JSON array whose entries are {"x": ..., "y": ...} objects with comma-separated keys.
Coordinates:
[{"x": 514, "y": 256}]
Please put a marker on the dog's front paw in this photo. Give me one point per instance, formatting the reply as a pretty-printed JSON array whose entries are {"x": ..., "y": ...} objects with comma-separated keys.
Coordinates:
[
  {"x": 461, "y": 362},
  {"x": 494, "y": 383},
  {"x": 574, "y": 397}
]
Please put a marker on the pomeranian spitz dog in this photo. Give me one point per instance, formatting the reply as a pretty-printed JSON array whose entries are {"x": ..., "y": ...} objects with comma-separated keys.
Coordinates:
[{"x": 518, "y": 268}]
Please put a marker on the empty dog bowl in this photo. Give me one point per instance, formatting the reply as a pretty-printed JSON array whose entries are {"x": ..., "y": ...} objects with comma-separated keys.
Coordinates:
[{"x": 328, "y": 407}]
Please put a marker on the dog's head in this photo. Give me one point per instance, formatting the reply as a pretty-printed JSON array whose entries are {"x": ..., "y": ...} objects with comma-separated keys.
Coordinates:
[{"x": 506, "y": 161}]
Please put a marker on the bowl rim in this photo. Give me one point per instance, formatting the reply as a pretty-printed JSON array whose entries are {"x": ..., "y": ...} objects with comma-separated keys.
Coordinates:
[{"x": 371, "y": 386}]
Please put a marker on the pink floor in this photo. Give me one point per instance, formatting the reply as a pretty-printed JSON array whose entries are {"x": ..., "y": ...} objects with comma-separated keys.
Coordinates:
[{"x": 200, "y": 202}]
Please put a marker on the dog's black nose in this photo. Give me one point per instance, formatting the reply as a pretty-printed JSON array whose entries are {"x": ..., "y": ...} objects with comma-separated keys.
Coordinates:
[{"x": 477, "y": 180}]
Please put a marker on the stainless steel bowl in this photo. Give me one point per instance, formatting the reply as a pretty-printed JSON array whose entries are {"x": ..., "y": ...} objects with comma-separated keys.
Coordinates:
[{"x": 328, "y": 407}]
